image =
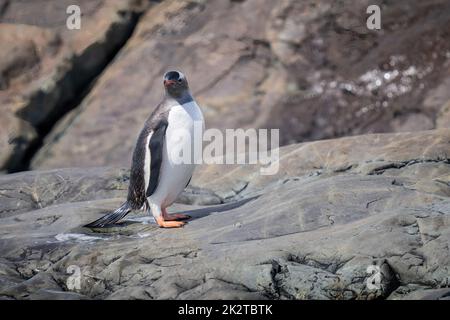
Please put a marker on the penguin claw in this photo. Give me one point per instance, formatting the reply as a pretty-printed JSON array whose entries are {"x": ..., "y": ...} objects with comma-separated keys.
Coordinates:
[{"x": 169, "y": 224}]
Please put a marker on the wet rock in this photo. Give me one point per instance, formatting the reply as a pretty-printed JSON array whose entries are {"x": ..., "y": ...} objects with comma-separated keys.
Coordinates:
[
  {"x": 45, "y": 294},
  {"x": 22, "y": 192},
  {"x": 24, "y": 289},
  {"x": 430, "y": 294},
  {"x": 45, "y": 67},
  {"x": 369, "y": 226},
  {"x": 197, "y": 196}
]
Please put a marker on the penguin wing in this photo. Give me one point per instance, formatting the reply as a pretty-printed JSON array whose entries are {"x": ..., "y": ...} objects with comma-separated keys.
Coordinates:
[
  {"x": 155, "y": 148},
  {"x": 148, "y": 152}
]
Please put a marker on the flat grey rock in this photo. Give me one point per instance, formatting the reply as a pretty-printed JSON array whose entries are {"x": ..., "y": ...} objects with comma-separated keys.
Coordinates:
[{"x": 376, "y": 229}]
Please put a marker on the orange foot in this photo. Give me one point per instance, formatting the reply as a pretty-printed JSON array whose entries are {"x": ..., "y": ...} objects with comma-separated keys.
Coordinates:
[
  {"x": 163, "y": 223},
  {"x": 174, "y": 216}
]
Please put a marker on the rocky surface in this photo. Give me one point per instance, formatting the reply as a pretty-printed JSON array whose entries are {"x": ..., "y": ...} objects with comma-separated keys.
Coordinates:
[
  {"x": 311, "y": 231},
  {"x": 310, "y": 68},
  {"x": 334, "y": 211}
]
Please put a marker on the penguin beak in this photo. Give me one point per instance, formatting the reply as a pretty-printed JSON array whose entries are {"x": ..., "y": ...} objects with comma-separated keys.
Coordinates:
[{"x": 168, "y": 83}]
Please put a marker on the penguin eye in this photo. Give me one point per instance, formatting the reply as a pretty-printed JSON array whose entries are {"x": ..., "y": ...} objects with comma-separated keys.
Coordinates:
[{"x": 179, "y": 80}]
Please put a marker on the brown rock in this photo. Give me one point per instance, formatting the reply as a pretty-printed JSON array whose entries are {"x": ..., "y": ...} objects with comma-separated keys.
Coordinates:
[
  {"x": 443, "y": 120},
  {"x": 44, "y": 67},
  {"x": 311, "y": 69}
]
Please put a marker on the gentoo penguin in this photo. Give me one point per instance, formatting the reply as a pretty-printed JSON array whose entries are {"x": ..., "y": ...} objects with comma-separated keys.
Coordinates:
[{"x": 157, "y": 178}]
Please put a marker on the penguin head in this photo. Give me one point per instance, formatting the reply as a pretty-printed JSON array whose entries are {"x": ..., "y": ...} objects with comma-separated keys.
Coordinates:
[{"x": 175, "y": 83}]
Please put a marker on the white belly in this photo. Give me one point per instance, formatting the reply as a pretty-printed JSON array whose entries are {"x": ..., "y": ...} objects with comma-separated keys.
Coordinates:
[{"x": 177, "y": 166}]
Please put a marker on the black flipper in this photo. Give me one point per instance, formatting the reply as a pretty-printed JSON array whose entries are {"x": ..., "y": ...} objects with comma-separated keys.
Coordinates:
[
  {"x": 112, "y": 217},
  {"x": 137, "y": 195},
  {"x": 156, "y": 145}
]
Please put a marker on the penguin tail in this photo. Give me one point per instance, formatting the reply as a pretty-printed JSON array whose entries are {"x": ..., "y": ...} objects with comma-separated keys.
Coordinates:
[{"x": 112, "y": 217}]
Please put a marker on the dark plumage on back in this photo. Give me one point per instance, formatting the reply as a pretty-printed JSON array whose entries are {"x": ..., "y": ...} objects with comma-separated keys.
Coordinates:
[
  {"x": 156, "y": 126},
  {"x": 136, "y": 190}
]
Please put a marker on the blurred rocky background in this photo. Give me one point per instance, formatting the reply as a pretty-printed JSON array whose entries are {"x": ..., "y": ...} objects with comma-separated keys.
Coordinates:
[
  {"x": 311, "y": 68},
  {"x": 336, "y": 208}
]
